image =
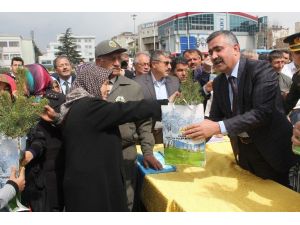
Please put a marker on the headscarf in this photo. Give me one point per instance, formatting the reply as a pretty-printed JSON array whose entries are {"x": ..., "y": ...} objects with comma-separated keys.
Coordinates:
[
  {"x": 88, "y": 82},
  {"x": 10, "y": 81},
  {"x": 41, "y": 76},
  {"x": 91, "y": 77}
]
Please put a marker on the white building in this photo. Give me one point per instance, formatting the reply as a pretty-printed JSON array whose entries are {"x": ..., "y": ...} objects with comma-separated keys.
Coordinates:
[
  {"x": 147, "y": 36},
  {"x": 15, "y": 46},
  {"x": 126, "y": 40},
  {"x": 85, "y": 45}
]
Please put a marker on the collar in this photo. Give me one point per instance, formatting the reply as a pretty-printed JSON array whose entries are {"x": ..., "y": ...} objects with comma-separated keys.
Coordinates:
[
  {"x": 62, "y": 81},
  {"x": 161, "y": 81},
  {"x": 113, "y": 80},
  {"x": 234, "y": 72}
]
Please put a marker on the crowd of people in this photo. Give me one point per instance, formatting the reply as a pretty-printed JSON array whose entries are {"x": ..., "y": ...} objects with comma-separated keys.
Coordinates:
[{"x": 81, "y": 156}]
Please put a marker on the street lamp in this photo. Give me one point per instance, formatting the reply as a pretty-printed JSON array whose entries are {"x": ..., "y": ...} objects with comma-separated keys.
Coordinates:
[{"x": 133, "y": 17}]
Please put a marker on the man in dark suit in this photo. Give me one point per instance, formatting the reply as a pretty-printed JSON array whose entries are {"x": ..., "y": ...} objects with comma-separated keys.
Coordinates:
[
  {"x": 63, "y": 75},
  {"x": 246, "y": 106},
  {"x": 157, "y": 84}
]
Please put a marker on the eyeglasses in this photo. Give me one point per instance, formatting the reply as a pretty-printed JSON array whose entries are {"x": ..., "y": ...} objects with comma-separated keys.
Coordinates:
[{"x": 165, "y": 62}]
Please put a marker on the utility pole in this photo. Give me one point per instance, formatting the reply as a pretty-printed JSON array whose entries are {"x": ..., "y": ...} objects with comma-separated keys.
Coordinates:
[{"x": 134, "y": 44}]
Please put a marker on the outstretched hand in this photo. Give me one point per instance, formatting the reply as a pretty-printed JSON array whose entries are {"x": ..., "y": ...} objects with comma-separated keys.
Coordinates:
[{"x": 49, "y": 114}]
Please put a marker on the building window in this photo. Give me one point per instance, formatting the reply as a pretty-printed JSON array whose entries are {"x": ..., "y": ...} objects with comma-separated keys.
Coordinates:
[
  {"x": 3, "y": 44},
  {"x": 14, "y": 44},
  {"x": 14, "y": 55},
  {"x": 5, "y": 56},
  {"x": 241, "y": 24}
]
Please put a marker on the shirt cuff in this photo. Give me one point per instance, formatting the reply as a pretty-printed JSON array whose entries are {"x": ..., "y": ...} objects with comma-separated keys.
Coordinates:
[
  {"x": 222, "y": 128},
  {"x": 207, "y": 93}
]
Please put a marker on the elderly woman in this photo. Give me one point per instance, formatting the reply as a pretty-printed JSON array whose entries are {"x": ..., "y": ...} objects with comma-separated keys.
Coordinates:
[{"x": 94, "y": 178}]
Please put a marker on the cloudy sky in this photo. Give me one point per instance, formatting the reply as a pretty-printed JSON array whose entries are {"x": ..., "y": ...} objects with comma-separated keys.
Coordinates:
[{"x": 103, "y": 25}]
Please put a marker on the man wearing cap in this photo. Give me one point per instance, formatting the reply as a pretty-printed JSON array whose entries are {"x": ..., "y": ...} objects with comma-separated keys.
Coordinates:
[
  {"x": 108, "y": 55},
  {"x": 292, "y": 70}
]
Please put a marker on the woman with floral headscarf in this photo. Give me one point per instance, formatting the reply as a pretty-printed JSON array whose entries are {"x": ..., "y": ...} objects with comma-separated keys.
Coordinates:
[{"x": 94, "y": 178}]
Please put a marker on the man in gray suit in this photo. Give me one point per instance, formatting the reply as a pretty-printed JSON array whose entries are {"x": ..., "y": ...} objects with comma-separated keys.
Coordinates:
[
  {"x": 247, "y": 106},
  {"x": 108, "y": 56},
  {"x": 157, "y": 84}
]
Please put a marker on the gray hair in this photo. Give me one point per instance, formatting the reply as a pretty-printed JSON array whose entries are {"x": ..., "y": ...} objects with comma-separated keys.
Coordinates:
[
  {"x": 156, "y": 54},
  {"x": 226, "y": 33},
  {"x": 249, "y": 53},
  {"x": 58, "y": 58},
  {"x": 135, "y": 60}
]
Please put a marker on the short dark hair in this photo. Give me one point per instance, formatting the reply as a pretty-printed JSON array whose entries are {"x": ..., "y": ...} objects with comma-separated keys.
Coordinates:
[
  {"x": 193, "y": 51},
  {"x": 19, "y": 59},
  {"x": 178, "y": 60},
  {"x": 275, "y": 54},
  {"x": 60, "y": 57},
  {"x": 228, "y": 34}
]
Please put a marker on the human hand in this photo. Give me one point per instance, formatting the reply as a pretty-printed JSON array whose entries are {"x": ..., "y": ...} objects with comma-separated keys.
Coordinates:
[
  {"x": 205, "y": 129},
  {"x": 152, "y": 162},
  {"x": 296, "y": 134},
  {"x": 174, "y": 96},
  {"x": 20, "y": 181},
  {"x": 49, "y": 114},
  {"x": 28, "y": 156},
  {"x": 209, "y": 86}
]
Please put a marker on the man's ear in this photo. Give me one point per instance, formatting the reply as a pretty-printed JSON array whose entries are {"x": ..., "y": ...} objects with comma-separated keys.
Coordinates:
[{"x": 236, "y": 48}]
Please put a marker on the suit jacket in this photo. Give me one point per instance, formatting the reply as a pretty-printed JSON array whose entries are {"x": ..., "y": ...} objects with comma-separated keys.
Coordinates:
[
  {"x": 56, "y": 76},
  {"x": 146, "y": 82},
  {"x": 260, "y": 112},
  {"x": 132, "y": 132}
]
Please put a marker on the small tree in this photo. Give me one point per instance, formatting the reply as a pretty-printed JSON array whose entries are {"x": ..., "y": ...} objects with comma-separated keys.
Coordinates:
[{"x": 68, "y": 47}]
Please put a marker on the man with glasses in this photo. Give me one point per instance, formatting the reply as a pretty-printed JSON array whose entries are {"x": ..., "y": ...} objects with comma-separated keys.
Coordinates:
[
  {"x": 16, "y": 63},
  {"x": 141, "y": 63},
  {"x": 157, "y": 84},
  {"x": 108, "y": 56},
  {"x": 63, "y": 75}
]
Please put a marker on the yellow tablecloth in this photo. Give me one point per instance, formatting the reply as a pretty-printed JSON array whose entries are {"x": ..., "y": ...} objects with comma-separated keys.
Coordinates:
[{"x": 220, "y": 187}]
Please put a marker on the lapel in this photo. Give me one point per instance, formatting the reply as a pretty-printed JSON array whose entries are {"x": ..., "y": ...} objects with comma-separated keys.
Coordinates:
[
  {"x": 149, "y": 85},
  {"x": 241, "y": 82},
  {"x": 116, "y": 90},
  {"x": 169, "y": 85}
]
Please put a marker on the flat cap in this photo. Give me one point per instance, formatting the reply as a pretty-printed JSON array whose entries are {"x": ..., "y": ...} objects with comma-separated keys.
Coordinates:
[
  {"x": 293, "y": 41},
  {"x": 108, "y": 47}
]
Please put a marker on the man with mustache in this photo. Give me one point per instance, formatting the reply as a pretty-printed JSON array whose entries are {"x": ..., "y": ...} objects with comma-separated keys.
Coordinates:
[
  {"x": 63, "y": 68},
  {"x": 201, "y": 72},
  {"x": 247, "y": 107},
  {"x": 157, "y": 84}
]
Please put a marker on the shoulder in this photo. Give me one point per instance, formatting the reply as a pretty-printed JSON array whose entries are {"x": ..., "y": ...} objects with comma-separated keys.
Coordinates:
[
  {"x": 172, "y": 78},
  {"x": 142, "y": 78}
]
